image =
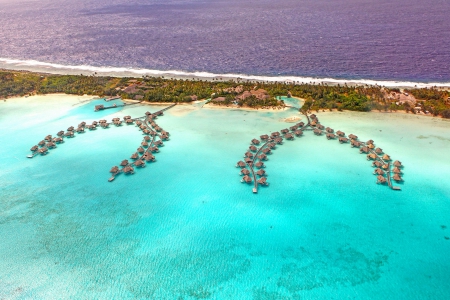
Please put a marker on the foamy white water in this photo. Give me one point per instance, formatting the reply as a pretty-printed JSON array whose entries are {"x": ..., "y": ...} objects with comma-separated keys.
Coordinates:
[{"x": 39, "y": 66}]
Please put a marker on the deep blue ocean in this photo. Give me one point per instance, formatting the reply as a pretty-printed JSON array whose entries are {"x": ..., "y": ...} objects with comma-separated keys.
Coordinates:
[{"x": 402, "y": 40}]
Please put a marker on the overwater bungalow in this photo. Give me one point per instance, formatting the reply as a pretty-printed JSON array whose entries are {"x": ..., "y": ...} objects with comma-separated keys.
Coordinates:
[
  {"x": 271, "y": 145},
  {"x": 259, "y": 164},
  {"x": 377, "y": 164},
  {"x": 114, "y": 170},
  {"x": 340, "y": 133},
  {"x": 245, "y": 171},
  {"x": 253, "y": 148},
  {"x": 364, "y": 149},
  {"x": 80, "y": 129},
  {"x": 149, "y": 157},
  {"x": 158, "y": 143},
  {"x": 134, "y": 155},
  {"x": 381, "y": 179},
  {"x": 317, "y": 131},
  {"x": 397, "y": 164},
  {"x": 298, "y": 132},
  {"x": 140, "y": 150},
  {"x": 144, "y": 144},
  {"x": 313, "y": 116},
  {"x": 129, "y": 121},
  {"x": 378, "y": 171},
  {"x": 369, "y": 142},
  {"x": 139, "y": 163},
  {"x": 343, "y": 140},
  {"x": 146, "y": 131},
  {"x": 102, "y": 121},
  {"x": 385, "y": 167},
  {"x": 48, "y": 138},
  {"x": 248, "y": 154},
  {"x": 128, "y": 170},
  {"x": 313, "y": 123},
  {"x": 320, "y": 126},
  {"x": 371, "y": 146},
  {"x": 293, "y": 128},
  {"x": 278, "y": 140},
  {"x": 95, "y": 123},
  {"x": 329, "y": 130},
  {"x": 138, "y": 123},
  {"x": 58, "y": 140},
  {"x": 51, "y": 145},
  {"x": 69, "y": 133},
  {"x": 255, "y": 142},
  {"x": 371, "y": 156},
  {"x": 262, "y": 157},
  {"x": 284, "y": 131},
  {"x": 142, "y": 127},
  {"x": 60, "y": 133},
  {"x": 164, "y": 137},
  {"x": 378, "y": 150},
  {"x": 261, "y": 172},
  {"x": 355, "y": 143},
  {"x": 396, "y": 170},
  {"x": 124, "y": 162},
  {"x": 41, "y": 143},
  {"x": 386, "y": 157},
  {"x": 397, "y": 177},
  {"x": 288, "y": 136},
  {"x": 352, "y": 136},
  {"x": 153, "y": 124},
  {"x": 246, "y": 179},
  {"x": 117, "y": 123},
  {"x": 126, "y": 118},
  {"x": 241, "y": 164},
  {"x": 115, "y": 119},
  {"x": 165, "y": 132},
  {"x": 263, "y": 181},
  {"x": 264, "y": 137},
  {"x": 248, "y": 160},
  {"x": 301, "y": 124},
  {"x": 43, "y": 151},
  {"x": 147, "y": 113},
  {"x": 34, "y": 148},
  {"x": 331, "y": 136},
  {"x": 275, "y": 134},
  {"x": 146, "y": 138},
  {"x": 153, "y": 149},
  {"x": 266, "y": 151},
  {"x": 82, "y": 124}
]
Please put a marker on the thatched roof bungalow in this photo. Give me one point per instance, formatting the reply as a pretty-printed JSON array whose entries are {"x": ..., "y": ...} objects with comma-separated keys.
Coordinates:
[
  {"x": 284, "y": 130},
  {"x": 364, "y": 149},
  {"x": 253, "y": 148},
  {"x": 288, "y": 136},
  {"x": 261, "y": 172},
  {"x": 114, "y": 169},
  {"x": 255, "y": 142},
  {"x": 241, "y": 164},
  {"x": 340, "y": 133},
  {"x": 331, "y": 136},
  {"x": 377, "y": 164},
  {"x": 397, "y": 164},
  {"x": 264, "y": 137},
  {"x": 317, "y": 131},
  {"x": 298, "y": 132},
  {"x": 378, "y": 150},
  {"x": 329, "y": 130},
  {"x": 245, "y": 171},
  {"x": 246, "y": 179},
  {"x": 397, "y": 177},
  {"x": 259, "y": 164},
  {"x": 381, "y": 179},
  {"x": 263, "y": 181},
  {"x": 378, "y": 171},
  {"x": 386, "y": 157}
]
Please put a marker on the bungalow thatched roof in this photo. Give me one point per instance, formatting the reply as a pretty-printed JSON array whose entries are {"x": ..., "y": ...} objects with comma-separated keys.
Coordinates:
[
  {"x": 241, "y": 164},
  {"x": 247, "y": 179},
  {"x": 264, "y": 137},
  {"x": 124, "y": 162},
  {"x": 259, "y": 164},
  {"x": 245, "y": 171}
]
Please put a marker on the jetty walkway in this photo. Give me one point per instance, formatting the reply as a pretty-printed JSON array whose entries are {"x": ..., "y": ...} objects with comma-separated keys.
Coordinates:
[{"x": 382, "y": 162}]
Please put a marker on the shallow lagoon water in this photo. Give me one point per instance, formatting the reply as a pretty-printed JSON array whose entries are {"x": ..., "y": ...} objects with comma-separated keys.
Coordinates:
[{"x": 185, "y": 227}]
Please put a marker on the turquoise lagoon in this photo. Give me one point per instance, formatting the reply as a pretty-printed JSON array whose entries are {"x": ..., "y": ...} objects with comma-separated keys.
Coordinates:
[{"x": 185, "y": 227}]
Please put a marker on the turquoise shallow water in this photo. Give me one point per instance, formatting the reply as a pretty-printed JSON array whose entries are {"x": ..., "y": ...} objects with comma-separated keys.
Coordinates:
[{"x": 186, "y": 228}]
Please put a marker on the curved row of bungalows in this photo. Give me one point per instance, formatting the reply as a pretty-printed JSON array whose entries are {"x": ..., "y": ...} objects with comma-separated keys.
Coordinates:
[
  {"x": 329, "y": 130},
  {"x": 313, "y": 123},
  {"x": 264, "y": 137},
  {"x": 245, "y": 172},
  {"x": 117, "y": 123},
  {"x": 340, "y": 133},
  {"x": 263, "y": 181},
  {"x": 298, "y": 132},
  {"x": 288, "y": 136},
  {"x": 378, "y": 171},
  {"x": 398, "y": 164},
  {"x": 253, "y": 148},
  {"x": 331, "y": 136},
  {"x": 317, "y": 131},
  {"x": 240, "y": 164},
  {"x": 255, "y": 142},
  {"x": 139, "y": 163},
  {"x": 381, "y": 179},
  {"x": 261, "y": 172},
  {"x": 102, "y": 121},
  {"x": 246, "y": 179},
  {"x": 343, "y": 140}
]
